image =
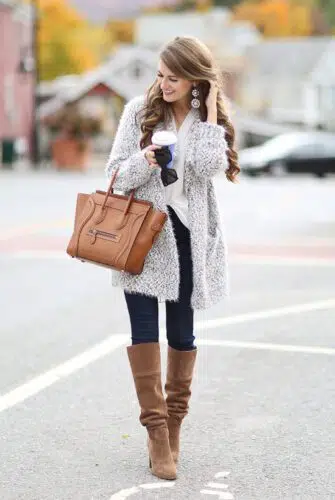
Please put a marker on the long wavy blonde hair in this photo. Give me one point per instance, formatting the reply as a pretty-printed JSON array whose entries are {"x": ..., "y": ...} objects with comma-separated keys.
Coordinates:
[{"x": 189, "y": 58}]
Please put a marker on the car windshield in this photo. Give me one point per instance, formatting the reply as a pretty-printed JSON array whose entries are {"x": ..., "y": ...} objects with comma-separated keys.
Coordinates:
[{"x": 284, "y": 144}]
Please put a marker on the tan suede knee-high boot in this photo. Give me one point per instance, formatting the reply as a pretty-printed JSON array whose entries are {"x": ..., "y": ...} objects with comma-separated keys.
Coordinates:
[
  {"x": 180, "y": 366},
  {"x": 145, "y": 362}
]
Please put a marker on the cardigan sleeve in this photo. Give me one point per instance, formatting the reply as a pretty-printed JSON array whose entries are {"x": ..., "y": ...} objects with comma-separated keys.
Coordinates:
[
  {"x": 134, "y": 170},
  {"x": 208, "y": 149}
]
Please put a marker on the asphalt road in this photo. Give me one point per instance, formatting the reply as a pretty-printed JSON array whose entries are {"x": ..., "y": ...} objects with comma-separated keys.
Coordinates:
[{"x": 262, "y": 419}]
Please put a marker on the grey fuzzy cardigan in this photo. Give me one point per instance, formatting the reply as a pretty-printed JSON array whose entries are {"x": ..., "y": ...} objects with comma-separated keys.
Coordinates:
[{"x": 205, "y": 156}]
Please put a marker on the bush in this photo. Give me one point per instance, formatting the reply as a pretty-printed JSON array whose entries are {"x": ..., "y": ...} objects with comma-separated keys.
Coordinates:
[{"x": 72, "y": 122}]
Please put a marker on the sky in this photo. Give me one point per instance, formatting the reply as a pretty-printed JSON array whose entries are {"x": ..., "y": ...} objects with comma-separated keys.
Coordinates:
[{"x": 101, "y": 10}]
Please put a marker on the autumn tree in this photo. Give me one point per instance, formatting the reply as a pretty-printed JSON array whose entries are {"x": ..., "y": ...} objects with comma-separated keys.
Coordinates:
[
  {"x": 277, "y": 18},
  {"x": 197, "y": 5},
  {"x": 323, "y": 16},
  {"x": 68, "y": 43},
  {"x": 225, "y": 3},
  {"x": 120, "y": 31}
]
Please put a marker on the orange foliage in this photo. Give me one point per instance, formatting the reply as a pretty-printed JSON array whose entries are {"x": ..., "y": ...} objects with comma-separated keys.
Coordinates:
[
  {"x": 277, "y": 18},
  {"x": 120, "y": 30},
  {"x": 68, "y": 44}
]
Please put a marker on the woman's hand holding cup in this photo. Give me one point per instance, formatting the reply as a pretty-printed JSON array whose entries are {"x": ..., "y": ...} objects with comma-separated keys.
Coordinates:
[{"x": 149, "y": 155}]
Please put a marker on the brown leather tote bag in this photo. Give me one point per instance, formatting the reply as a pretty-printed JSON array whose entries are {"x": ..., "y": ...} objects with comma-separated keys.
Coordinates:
[{"x": 114, "y": 231}]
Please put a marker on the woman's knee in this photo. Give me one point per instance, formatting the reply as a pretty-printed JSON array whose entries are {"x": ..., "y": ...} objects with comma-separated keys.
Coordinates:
[{"x": 143, "y": 315}]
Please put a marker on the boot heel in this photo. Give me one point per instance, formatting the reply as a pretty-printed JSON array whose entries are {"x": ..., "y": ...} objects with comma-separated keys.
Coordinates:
[{"x": 161, "y": 463}]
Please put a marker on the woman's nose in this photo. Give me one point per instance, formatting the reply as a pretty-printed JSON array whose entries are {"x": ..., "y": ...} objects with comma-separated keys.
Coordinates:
[{"x": 164, "y": 85}]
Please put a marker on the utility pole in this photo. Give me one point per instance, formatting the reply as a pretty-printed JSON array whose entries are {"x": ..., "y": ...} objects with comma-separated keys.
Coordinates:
[{"x": 35, "y": 144}]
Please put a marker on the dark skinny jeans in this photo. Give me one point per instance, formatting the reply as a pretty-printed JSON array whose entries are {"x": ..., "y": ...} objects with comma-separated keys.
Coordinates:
[{"x": 143, "y": 310}]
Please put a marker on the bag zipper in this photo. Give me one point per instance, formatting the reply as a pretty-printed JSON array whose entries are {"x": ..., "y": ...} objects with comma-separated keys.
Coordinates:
[{"x": 103, "y": 234}]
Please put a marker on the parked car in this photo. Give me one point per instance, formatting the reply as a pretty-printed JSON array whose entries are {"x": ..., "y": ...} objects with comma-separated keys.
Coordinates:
[{"x": 298, "y": 152}]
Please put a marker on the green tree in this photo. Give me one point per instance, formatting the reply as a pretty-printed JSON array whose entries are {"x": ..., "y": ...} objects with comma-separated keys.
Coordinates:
[
  {"x": 226, "y": 3},
  {"x": 328, "y": 9},
  {"x": 185, "y": 5}
]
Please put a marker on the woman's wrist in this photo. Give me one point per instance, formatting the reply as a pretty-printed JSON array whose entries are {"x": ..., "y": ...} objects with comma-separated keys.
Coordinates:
[{"x": 212, "y": 116}]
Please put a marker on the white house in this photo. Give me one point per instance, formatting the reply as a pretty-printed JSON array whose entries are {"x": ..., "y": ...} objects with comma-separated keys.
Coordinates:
[
  {"x": 154, "y": 29},
  {"x": 290, "y": 81},
  {"x": 215, "y": 27},
  {"x": 129, "y": 72},
  {"x": 104, "y": 90},
  {"x": 320, "y": 90}
]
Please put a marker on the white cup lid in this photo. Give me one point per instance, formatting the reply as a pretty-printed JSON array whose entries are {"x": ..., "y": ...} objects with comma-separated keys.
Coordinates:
[{"x": 164, "y": 138}]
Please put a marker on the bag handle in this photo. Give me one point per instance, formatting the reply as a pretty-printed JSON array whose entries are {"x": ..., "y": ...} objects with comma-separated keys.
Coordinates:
[{"x": 110, "y": 190}]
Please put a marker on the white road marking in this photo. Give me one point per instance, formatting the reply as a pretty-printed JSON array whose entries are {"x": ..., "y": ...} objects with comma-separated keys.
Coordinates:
[
  {"x": 234, "y": 258},
  {"x": 221, "y": 494},
  {"x": 98, "y": 351},
  {"x": 219, "y": 486},
  {"x": 155, "y": 486},
  {"x": 265, "y": 314},
  {"x": 268, "y": 346},
  {"x": 38, "y": 254},
  {"x": 121, "y": 495},
  {"x": 226, "y": 495},
  {"x": 126, "y": 493},
  {"x": 34, "y": 228},
  {"x": 282, "y": 260},
  {"x": 63, "y": 370},
  {"x": 222, "y": 474}
]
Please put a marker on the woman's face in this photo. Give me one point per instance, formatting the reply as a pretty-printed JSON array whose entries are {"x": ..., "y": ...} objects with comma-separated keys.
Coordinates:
[{"x": 173, "y": 87}]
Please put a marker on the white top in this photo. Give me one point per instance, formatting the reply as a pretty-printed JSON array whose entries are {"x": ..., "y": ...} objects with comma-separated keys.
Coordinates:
[{"x": 175, "y": 195}]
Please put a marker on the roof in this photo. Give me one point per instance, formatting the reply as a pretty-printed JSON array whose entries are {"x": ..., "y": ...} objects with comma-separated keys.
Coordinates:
[
  {"x": 295, "y": 57},
  {"x": 113, "y": 74}
]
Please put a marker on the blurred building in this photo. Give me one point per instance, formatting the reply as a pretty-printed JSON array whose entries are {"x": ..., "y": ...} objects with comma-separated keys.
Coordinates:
[
  {"x": 228, "y": 39},
  {"x": 154, "y": 29},
  {"x": 104, "y": 90},
  {"x": 290, "y": 81},
  {"x": 214, "y": 27},
  {"x": 16, "y": 80}
]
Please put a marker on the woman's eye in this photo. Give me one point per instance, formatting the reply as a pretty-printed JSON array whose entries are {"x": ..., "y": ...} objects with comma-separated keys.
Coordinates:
[{"x": 171, "y": 80}]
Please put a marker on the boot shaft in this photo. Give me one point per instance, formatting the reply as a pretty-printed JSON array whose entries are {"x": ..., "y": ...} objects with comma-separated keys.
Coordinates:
[
  {"x": 145, "y": 362},
  {"x": 180, "y": 369}
]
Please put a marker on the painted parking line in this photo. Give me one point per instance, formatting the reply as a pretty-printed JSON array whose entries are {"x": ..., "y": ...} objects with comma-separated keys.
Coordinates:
[
  {"x": 283, "y": 250},
  {"x": 37, "y": 254},
  {"x": 98, "y": 351},
  {"x": 267, "y": 346},
  {"x": 34, "y": 228},
  {"x": 216, "y": 489},
  {"x": 266, "y": 314},
  {"x": 61, "y": 371},
  {"x": 49, "y": 248},
  {"x": 129, "y": 492},
  {"x": 282, "y": 260}
]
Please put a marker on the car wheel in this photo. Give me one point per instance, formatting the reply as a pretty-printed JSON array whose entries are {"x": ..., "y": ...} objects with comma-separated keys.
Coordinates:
[
  {"x": 277, "y": 169},
  {"x": 320, "y": 174}
]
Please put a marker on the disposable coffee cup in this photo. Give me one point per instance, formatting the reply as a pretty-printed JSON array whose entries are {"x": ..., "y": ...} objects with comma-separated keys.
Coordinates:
[{"x": 165, "y": 139}]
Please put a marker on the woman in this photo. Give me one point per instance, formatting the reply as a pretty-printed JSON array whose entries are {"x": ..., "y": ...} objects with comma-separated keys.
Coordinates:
[{"x": 186, "y": 267}]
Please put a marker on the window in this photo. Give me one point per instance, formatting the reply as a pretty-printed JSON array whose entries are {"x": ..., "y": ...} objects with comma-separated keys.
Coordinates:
[
  {"x": 306, "y": 151},
  {"x": 136, "y": 70}
]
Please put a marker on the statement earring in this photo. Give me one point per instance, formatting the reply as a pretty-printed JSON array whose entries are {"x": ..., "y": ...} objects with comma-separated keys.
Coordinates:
[{"x": 195, "y": 103}]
